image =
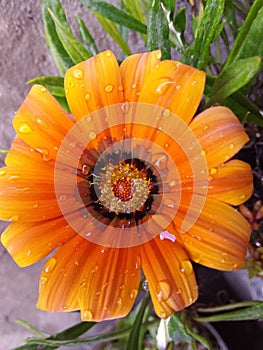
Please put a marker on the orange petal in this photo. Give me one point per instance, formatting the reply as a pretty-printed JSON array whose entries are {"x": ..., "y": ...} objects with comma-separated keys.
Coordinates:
[
  {"x": 93, "y": 84},
  {"x": 219, "y": 237},
  {"x": 170, "y": 276},
  {"x": 220, "y": 134},
  {"x": 231, "y": 183},
  {"x": 134, "y": 70},
  {"x": 174, "y": 86},
  {"x": 59, "y": 284},
  {"x": 41, "y": 122},
  {"x": 27, "y": 193},
  {"x": 110, "y": 282},
  {"x": 29, "y": 243}
]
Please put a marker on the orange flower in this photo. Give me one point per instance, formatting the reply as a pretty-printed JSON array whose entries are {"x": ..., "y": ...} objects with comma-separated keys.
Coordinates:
[{"x": 131, "y": 182}]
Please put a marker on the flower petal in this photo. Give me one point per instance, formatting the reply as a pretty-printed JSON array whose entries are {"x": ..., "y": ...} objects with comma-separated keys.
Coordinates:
[
  {"x": 220, "y": 134},
  {"x": 60, "y": 279},
  {"x": 170, "y": 276},
  {"x": 28, "y": 193},
  {"x": 29, "y": 243},
  {"x": 134, "y": 71},
  {"x": 231, "y": 183},
  {"x": 219, "y": 237},
  {"x": 93, "y": 84},
  {"x": 41, "y": 122},
  {"x": 174, "y": 86},
  {"x": 110, "y": 282}
]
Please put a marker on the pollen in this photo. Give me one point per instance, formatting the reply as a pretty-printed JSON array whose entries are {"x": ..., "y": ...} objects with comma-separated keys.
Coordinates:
[{"x": 123, "y": 189}]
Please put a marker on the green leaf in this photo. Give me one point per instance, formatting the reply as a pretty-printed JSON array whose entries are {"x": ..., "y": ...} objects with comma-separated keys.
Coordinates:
[
  {"x": 86, "y": 37},
  {"x": 133, "y": 341},
  {"x": 135, "y": 8},
  {"x": 169, "y": 5},
  {"x": 68, "y": 334},
  {"x": 158, "y": 30},
  {"x": 233, "y": 77},
  {"x": 245, "y": 39},
  {"x": 208, "y": 29},
  {"x": 111, "y": 28},
  {"x": 54, "y": 84},
  {"x": 75, "y": 50},
  {"x": 177, "y": 330},
  {"x": 243, "y": 108},
  {"x": 114, "y": 14},
  {"x": 254, "y": 312},
  {"x": 59, "y": 54}
]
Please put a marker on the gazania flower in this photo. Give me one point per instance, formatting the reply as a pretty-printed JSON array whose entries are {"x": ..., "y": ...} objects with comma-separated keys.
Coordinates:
[{"x": 129, "y": 181}]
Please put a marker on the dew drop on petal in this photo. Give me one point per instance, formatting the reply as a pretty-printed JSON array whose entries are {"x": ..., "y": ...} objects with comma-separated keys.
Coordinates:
[
  {"x": 164, "y": 290},
  {"x": 231, "y": 146},
  {"x": 242, "y": 197},
  {"x": 42, "y": 123},
  {"x": 179, "y": 291},
  {"x": 108, "y": 88},
  {"x": 213, "y": 171},
  {"x": 205, "y": 127},
  {"x": 43, "y": 89},
  {"x": 133, "y": 293},
  {"x": 2, "y": 172},
  {"x": 120, "y": 88},
  {"x": 24, "y": 128},
  {"x": 35, "y": 205},
  {"x": 87, "y": 315},
  {"x": 166, "y": 112},
  {"x": 92, "y": 135},
  {"x": 63, "y": 197},
  {"x": 125, "y": 107},
  {"x": 203, "y": 153},
  {"x": 167, "y": 235},
  {"x": 50, "y": 265},
  {"x": 78, "y": 74},
  {"x": 119, "y": 301},
  {"x": 87, "y": 97},
  {"x": 186, "y": 267}
]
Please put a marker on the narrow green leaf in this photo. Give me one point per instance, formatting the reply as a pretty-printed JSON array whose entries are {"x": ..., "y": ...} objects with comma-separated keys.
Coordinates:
[
  {"x": 133, "y": 341},
  {"x": 208, "y": 29},
  {"x": 68, "y": 334},
  {"x": 158, "y": 30},
  {"x": 134, "y": 7},
  {"x": 4, "y": 151},
  {"x": 86, "y": 37},
  {"x": 233, "y": 77},
  {"x": 177, "y": 330},
  {"x": 169, "y": 5},
  {"x": 243, "y": 108},
  {"x": 245, "y": 35},
  {"x": 245, "y": 314},
  {"x": 113, "y": 31},
  {"x": 54, "y": 84},
  {"x": 114, "y": 14},
  {"x": 59, "y": 54},
  {"x": 75, "y": 50}
]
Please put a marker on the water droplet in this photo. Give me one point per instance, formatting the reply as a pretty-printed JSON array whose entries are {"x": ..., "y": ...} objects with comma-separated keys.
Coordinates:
[
  {"x": 179, "y": 291},
  {"x": 29, "y": 252},
  {"x": 133, "y": 86},
  {"x": 50, "y": 265},
  {"x": 119, "y": 301},
  {"x": 133, "y": 293},
  {"x": 87, "y": 315},
  {"x": 35, "y": 205},
  {"x": 161, "y": 161},
  {"x": 205, "y": 127},
  {"x": 164, "y": 290},
  {"x": 87, "y": 97},
  {"x": 145, "y": 286},
  {"x": 95, "y": 269},
  {"x": 159, "y": 56},
  {"x": 42, "y": 151},
  {"x": 65, "y": 307},
  {"x": 42, "y": 123},
  {"x": 167, "y": 235},
  {"x": 213, "y": 171},
  {"x": 178, "y": 87},
  {"x": 63, "y": 197},
  {"x": 24, "y": 128},
  {"x": 120, "y": 88},
  {"x": 186, "y": 267},
  {"x": 125, "y": 107},
  {"x": 13, "y": 218},
  {"x": 43, "y": 89},
  {"x": 72, "y": 144},
  {"x": 2, "y": 172},
  {"x": 231, "y": 146},
  {"x": 78, "y": 74},
  {"x": 108, "y": 88},
  {"x": 172, "y": 183},
  {"x": 242, "y": 197},
  {"x": 203, "y": 153},
  {"x": 43, "y": 280},
  {"x": 92, "y": 135},
  {"x": 83, "y": 284},
  {"x": 55, "y": 148},
  {"x": 166, "y": 112},
  {"x": 193, "y": 83}
]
